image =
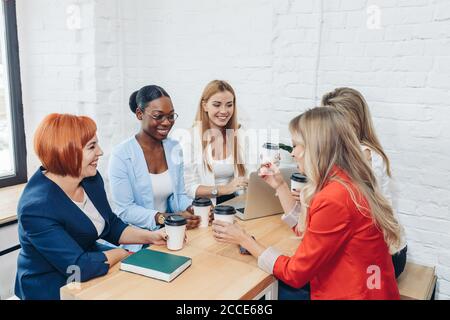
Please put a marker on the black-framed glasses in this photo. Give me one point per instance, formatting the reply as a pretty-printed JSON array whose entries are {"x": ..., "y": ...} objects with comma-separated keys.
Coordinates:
[{"x": 161, "y": 117}]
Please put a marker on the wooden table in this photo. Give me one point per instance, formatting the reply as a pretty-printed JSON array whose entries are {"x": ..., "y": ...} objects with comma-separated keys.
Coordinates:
[
  {"x": 218, "y": 270},
  {"x": 9, "y": 197}
]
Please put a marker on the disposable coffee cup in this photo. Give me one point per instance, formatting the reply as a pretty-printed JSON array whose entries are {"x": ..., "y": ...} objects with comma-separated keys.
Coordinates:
[
  {"x": 224, "y": 213},
  {"x": 298, "y": 181},
  {"x": 270, "y": 152},
  {"x": 175, "y": 230},
  {"x": 202, "y": 207}
]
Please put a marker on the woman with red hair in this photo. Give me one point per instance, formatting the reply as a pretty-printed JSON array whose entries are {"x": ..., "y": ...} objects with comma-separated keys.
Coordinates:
[{"x": 64, "y": 210}]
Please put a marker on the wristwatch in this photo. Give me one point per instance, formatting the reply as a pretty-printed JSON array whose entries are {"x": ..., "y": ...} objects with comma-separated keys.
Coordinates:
[
  {"x": 160, "y": 219},
  {"x": 215, "y": 192}
]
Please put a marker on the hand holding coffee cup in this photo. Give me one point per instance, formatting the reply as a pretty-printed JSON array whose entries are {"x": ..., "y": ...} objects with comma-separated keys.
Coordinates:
[
  {"x": 224, "y": 213},
  {"x": 298, "y": 181},
  {"x": 202, "y": 209},
  {"x": 193, "y": 221},
  {"x": 228, "y": 232},
  {"x": 175, "y": 228},
  {"x": 157, "y": 237}
]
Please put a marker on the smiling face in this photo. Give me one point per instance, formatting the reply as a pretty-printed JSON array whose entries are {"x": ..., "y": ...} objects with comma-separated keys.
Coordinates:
[
  {"x": 91, "y": 153},
  {"x": 157, "y": 129},
  {"x": 220, "y": 109}
]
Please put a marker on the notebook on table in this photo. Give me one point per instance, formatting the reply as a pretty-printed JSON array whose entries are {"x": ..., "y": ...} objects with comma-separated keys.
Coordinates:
[{"x": 156, "y": 264}]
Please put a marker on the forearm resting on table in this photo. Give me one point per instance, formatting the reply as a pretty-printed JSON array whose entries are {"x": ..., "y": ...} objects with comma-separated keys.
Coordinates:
[
  {"x": 114, "y": 256},
  {"x": 132, "y": 235}
]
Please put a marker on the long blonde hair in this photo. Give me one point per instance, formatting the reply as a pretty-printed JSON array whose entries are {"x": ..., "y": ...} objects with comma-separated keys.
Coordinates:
[
  {"x": 211, "y": 89},
  {"x": 329, "y": 141},
  {"x": 353, "y": 106}
]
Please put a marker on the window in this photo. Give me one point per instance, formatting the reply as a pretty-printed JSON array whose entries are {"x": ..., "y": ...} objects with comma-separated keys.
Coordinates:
[{"x": 12, "y": 135}]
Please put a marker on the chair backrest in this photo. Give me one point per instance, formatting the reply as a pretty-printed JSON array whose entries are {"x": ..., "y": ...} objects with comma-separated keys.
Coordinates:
[{"x": 8, "y": 259}]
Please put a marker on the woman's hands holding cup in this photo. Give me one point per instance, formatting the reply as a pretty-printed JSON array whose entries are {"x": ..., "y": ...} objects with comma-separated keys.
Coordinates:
[
  {"x": 192, "y": 220},
  {"x": 211, "y": 214},
  {"x": 158, "y": 237},
  {"x": 296, "y": 195},
  {"x": 228, "y": 232}
]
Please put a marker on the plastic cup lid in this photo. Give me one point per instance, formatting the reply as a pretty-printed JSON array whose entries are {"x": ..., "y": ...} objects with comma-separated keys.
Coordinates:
[
  {"x": 175, "y": 220},
  {"x": 298, "y": 177},
  {"x": 225, "y": 210},
  {"x": 201, "y": 202}
]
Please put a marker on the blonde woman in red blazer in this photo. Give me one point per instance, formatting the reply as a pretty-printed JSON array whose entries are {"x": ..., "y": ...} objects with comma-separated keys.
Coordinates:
[{"x": 347, "y": 227}]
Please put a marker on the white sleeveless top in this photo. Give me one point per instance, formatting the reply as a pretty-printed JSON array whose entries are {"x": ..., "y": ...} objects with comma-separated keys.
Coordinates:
[
  {"x": 386, "y": 183},
  {"x": 162, "y": 189},
  {"x": 223, "y": 170}
]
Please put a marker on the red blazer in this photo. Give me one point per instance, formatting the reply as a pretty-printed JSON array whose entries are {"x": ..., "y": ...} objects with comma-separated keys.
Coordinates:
[{"x": 343, "y": 255}]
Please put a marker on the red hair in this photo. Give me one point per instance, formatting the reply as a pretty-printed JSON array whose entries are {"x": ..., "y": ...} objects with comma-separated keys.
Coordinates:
[{"x": 59, "y": 141}]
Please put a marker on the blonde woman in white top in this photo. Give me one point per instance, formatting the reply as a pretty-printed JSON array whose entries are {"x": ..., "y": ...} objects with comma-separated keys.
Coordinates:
[
  {"x": 213, "y": 155},
  {"x": 353, "y": 106}
]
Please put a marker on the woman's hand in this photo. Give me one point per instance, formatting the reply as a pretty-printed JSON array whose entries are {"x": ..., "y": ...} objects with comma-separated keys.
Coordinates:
[
  {"x": 114, "y": 256},
  {"x": 211, "y": 214},
  {"x": 158, "y": 237},
  {"x": 228, "y": 232},
  {"x": 234, "y": 185},
  {"x": 233, "y": 233},
  {"x": 193, "y": 221},
  {"x": 296, "y": 195},
  {"x": 270, "y": 173}
]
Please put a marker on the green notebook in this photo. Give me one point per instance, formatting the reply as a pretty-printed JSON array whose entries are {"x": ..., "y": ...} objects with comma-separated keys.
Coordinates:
[{"x": 155, "y": 264}]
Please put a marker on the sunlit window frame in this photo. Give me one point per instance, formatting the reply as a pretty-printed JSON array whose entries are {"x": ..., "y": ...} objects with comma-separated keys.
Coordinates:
[{"x": 15, "y": 96}]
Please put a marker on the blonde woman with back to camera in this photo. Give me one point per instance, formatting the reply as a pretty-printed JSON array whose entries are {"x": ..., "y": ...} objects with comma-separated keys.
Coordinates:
[
  {"x": 347, "y": 226},
  {"x": 351, "y": 103}
]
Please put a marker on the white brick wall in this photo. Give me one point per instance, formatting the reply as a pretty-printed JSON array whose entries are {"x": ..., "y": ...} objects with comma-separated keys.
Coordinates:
[{"x": 270, "y": 53}]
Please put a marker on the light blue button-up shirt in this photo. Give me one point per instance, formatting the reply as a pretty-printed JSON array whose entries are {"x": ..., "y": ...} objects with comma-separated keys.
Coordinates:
[{"x": 131, "y": 185}]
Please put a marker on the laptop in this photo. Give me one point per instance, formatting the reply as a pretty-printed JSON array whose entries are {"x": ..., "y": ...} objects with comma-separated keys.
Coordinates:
[{"x": 260, "y": 200}]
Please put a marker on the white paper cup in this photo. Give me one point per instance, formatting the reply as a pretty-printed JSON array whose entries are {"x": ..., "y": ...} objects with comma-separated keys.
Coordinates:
[
  {"x": 203, "y": 213},
  {"x": 298, "y": 181},
  {"x": 202, "y": 207},
  {"x": 175, "y": 227},
  {"x": 224, "y": 213},
  {"x": 270, "y": 152}
]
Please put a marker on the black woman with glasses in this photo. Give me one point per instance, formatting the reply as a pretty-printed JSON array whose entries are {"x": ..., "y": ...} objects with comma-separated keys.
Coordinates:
[{"x": 146, "y": 171}]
